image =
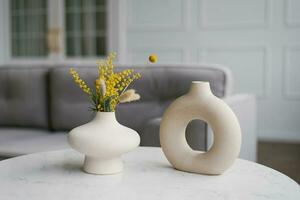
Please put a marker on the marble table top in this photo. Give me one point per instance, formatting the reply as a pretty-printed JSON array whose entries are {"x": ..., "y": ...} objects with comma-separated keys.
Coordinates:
[{"x": 147, "y": 175}]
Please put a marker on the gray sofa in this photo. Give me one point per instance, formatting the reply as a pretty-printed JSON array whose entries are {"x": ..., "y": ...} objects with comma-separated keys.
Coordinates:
[{"x": 40, "y": 103}]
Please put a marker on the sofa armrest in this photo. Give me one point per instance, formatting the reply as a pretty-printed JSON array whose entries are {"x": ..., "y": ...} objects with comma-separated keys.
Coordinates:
[{"x": 244, "y": 106}]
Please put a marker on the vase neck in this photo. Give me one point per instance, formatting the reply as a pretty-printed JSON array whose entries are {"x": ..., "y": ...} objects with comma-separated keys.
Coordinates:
[
  {"x": 105, "y": 116},
  {"x": 200, "y": 88}
]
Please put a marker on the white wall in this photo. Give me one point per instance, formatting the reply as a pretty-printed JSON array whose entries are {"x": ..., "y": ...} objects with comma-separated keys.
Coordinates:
[
  {"x": 259, "y": 40},
  {"x": 3, "y": 31}
]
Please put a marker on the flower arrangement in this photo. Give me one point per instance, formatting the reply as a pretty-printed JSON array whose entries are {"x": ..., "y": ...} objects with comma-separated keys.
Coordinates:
[{"x": 110, "y": 88}]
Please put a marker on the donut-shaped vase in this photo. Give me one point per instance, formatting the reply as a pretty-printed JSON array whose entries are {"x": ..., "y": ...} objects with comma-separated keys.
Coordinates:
[{"x": 200, "y": 103}]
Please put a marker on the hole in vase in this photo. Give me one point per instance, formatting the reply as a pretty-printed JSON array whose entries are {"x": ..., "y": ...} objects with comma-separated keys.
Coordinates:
[{"x": 199, "y": 135}]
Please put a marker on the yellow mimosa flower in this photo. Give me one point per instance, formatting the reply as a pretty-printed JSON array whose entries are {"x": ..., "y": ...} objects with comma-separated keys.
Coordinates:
[
  {"x": 80, "y": 82},
  {"x": 109, "y": 86}
]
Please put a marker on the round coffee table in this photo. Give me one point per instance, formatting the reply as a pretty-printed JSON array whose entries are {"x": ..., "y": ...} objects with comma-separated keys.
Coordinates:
[{"x": 147, "y": 175}]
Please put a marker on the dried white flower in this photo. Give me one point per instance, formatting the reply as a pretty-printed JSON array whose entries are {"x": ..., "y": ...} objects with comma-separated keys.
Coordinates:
[
  {"x": 129, "y": 96},
  {"x": 102, "y": 87}
]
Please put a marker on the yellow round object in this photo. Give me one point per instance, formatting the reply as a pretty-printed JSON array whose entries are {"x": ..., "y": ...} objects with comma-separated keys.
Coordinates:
[{"x": 153, "y": 58}]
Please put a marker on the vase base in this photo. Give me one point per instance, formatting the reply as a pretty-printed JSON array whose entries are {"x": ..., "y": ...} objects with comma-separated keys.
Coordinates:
[{"x": 94, "y": 165}]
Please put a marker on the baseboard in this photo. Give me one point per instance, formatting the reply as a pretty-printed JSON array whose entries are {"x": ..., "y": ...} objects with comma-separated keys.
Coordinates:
[{"x": 279, "y": 136}]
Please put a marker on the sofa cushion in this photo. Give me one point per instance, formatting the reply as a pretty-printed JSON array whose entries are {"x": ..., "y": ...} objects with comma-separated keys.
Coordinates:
[
  {"x": 23, "y": 96},
  {"x": 136, "y": 114},
  {"x": 69, "y": 105},
  {"x": 195, "y": 134},
  {"x": 20, "y": 141},
  {"x": 158, "y": 86}
]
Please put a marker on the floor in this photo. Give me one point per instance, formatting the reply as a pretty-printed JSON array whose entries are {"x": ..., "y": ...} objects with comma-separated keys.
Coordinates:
[{"x": 284, "y": 157}]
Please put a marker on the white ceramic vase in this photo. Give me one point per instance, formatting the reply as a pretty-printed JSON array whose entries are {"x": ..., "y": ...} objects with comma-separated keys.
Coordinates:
[
  {"x": 103, "y": 141},
  {"x": 200, "y": 103}
]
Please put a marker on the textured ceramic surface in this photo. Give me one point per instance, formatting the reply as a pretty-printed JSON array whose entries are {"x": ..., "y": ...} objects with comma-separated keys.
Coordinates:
[
  {"x": 200, "y": 103},
  {"x": 147, "y": 176},
  {"x": 103, "y": 141}
]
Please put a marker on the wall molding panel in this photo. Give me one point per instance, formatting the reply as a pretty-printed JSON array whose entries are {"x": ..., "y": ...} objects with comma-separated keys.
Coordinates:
[
  {"x": 235, "y": 23},
  {"x": 265, "y": 86},
  {"x": 135, "y": 22},
  {"x": 289, "y": 93},
  {"x": 289, "y": 8}
]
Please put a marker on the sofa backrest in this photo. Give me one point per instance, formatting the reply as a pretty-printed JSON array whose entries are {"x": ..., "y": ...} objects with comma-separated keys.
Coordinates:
[
  {"x": 45, "y": 96},
  {"x": 158, "y": 87},
  {"x": 24, "y": 96}
]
